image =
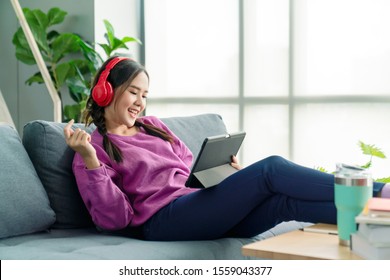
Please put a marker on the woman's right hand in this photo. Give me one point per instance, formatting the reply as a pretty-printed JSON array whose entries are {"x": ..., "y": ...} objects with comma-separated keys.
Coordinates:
[{"x": 79, "y": 140}]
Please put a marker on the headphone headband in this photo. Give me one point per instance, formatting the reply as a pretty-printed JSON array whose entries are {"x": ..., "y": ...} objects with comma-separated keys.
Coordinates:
[{"x": 114, "y": 62}]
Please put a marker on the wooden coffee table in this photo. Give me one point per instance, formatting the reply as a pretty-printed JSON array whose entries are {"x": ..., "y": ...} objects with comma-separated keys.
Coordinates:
[{"x": 301, "y": 245}]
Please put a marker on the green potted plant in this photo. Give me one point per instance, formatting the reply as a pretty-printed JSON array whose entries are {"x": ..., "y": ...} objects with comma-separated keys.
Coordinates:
[
  {"x": 71, "y": 61},
  {"x": 371, "y": 151}
]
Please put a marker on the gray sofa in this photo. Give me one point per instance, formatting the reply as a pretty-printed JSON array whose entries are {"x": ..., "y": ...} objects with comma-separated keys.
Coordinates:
[{"x": 43, "y": 217}]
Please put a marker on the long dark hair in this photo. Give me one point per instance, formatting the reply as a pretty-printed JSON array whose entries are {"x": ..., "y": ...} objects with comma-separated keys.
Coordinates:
[{"x": 120, "y": 76}]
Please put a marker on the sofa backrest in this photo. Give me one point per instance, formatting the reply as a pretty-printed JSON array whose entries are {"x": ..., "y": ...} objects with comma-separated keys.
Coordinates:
[{"x": 45, "y": 144}]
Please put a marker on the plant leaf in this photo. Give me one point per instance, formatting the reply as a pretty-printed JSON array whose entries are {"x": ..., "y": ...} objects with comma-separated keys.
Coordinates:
[
  {"x": 41, "y": 39},
  {"x": 55, "y": 16},
  {"x": 131, "y": 39},
  {"x": 25, "y": 56},
  {"x": 91, "y": 55},
  {"x": 63, "y": 71},
  {"x": 71, "y": 112},
  {"x": 106, "y": 49},
  {"x": 52, "y": 35},
  {"x": 383, "y": 180},
  {"x": 81, "y": 67},
  {"x": 36, "y": 78},
  {"x": 78, "y": 85},
  {"x": 367, "y": 165},
  {"x": 77, "y": 89},
  {"x": 22, "y": 49},
  {"x": 19, "y": 39},
  {"x": 36, "y": 17},
  {"x": 37, "y": 21},
  {"x": 64, "y": 44},
  {"x": 118, "y": 44},
  {"x": 322, "y": 169},
  {"x": 74, "y": 111},
  {"x": 110, "y": 32},
  {"x": 371, "y": 150}
]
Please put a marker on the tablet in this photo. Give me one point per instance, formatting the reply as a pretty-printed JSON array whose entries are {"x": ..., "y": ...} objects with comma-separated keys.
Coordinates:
[{"x": 213, "y": 162}]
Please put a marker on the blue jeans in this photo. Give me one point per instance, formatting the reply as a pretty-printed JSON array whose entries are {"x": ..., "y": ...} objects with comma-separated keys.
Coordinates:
[{"x": 249, "y": 202}]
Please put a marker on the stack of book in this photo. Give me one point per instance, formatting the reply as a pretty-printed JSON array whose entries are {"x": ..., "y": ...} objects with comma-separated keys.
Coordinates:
[{"x": 372, "y": 239}]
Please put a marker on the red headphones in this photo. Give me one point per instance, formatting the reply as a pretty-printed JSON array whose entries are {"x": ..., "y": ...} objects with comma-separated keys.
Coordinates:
[{"x": 102, "y": 92}]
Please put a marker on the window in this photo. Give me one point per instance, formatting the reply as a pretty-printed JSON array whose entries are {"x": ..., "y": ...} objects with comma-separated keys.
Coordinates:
[
  {"x": 341, "y": 85},
  {"x": 306, "y": 79},
  {"x": 192, "y": 47}
]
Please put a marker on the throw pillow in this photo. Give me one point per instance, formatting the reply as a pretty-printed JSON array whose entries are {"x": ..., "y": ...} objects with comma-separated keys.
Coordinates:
[
  {"x": 24, "y": 205},
  {"x": 45, "y": 143}
]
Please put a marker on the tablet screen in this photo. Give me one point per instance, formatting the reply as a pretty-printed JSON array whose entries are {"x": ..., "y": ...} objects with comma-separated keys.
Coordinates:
[{"x": 215, "y": 151}]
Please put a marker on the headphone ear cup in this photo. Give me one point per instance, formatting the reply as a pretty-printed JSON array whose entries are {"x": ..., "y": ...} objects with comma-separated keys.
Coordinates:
[
  {"x": 109, "y": 93},
  {"x": 102, "y": 93}
]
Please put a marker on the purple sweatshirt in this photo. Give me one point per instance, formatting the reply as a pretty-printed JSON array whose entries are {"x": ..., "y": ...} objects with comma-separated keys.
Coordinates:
[{"x": 153, "y": 173}]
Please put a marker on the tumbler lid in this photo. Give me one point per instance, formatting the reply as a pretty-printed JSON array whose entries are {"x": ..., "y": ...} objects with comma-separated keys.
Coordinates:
[{"x": 350, "y": 175}]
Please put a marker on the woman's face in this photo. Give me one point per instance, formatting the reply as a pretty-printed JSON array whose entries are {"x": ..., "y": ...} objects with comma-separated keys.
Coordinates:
[{"x": 128, "y": 105}]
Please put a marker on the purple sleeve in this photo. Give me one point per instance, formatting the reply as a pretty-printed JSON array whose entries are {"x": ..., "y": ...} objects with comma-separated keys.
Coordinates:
[{"x": 108, "y": 206}]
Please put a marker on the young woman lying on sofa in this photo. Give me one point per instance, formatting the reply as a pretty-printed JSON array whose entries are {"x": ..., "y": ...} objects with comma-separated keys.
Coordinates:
[{"x": 131, "y": 173}]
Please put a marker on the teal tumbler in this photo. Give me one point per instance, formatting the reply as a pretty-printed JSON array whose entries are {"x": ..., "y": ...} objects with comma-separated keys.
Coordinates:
[{"x": 353, "y": 187}]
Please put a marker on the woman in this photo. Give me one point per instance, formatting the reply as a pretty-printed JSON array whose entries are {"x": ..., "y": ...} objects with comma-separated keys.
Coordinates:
[{"x": 131, "y": 173}]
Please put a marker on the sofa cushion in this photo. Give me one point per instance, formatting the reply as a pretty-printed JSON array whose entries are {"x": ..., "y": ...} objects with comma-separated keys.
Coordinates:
[
  {"x": 24, "y": 205},
  {"x": 52, "y": 158},
  {"x": 45, "y": 143},
  {"x": 87, "y": 243}
]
